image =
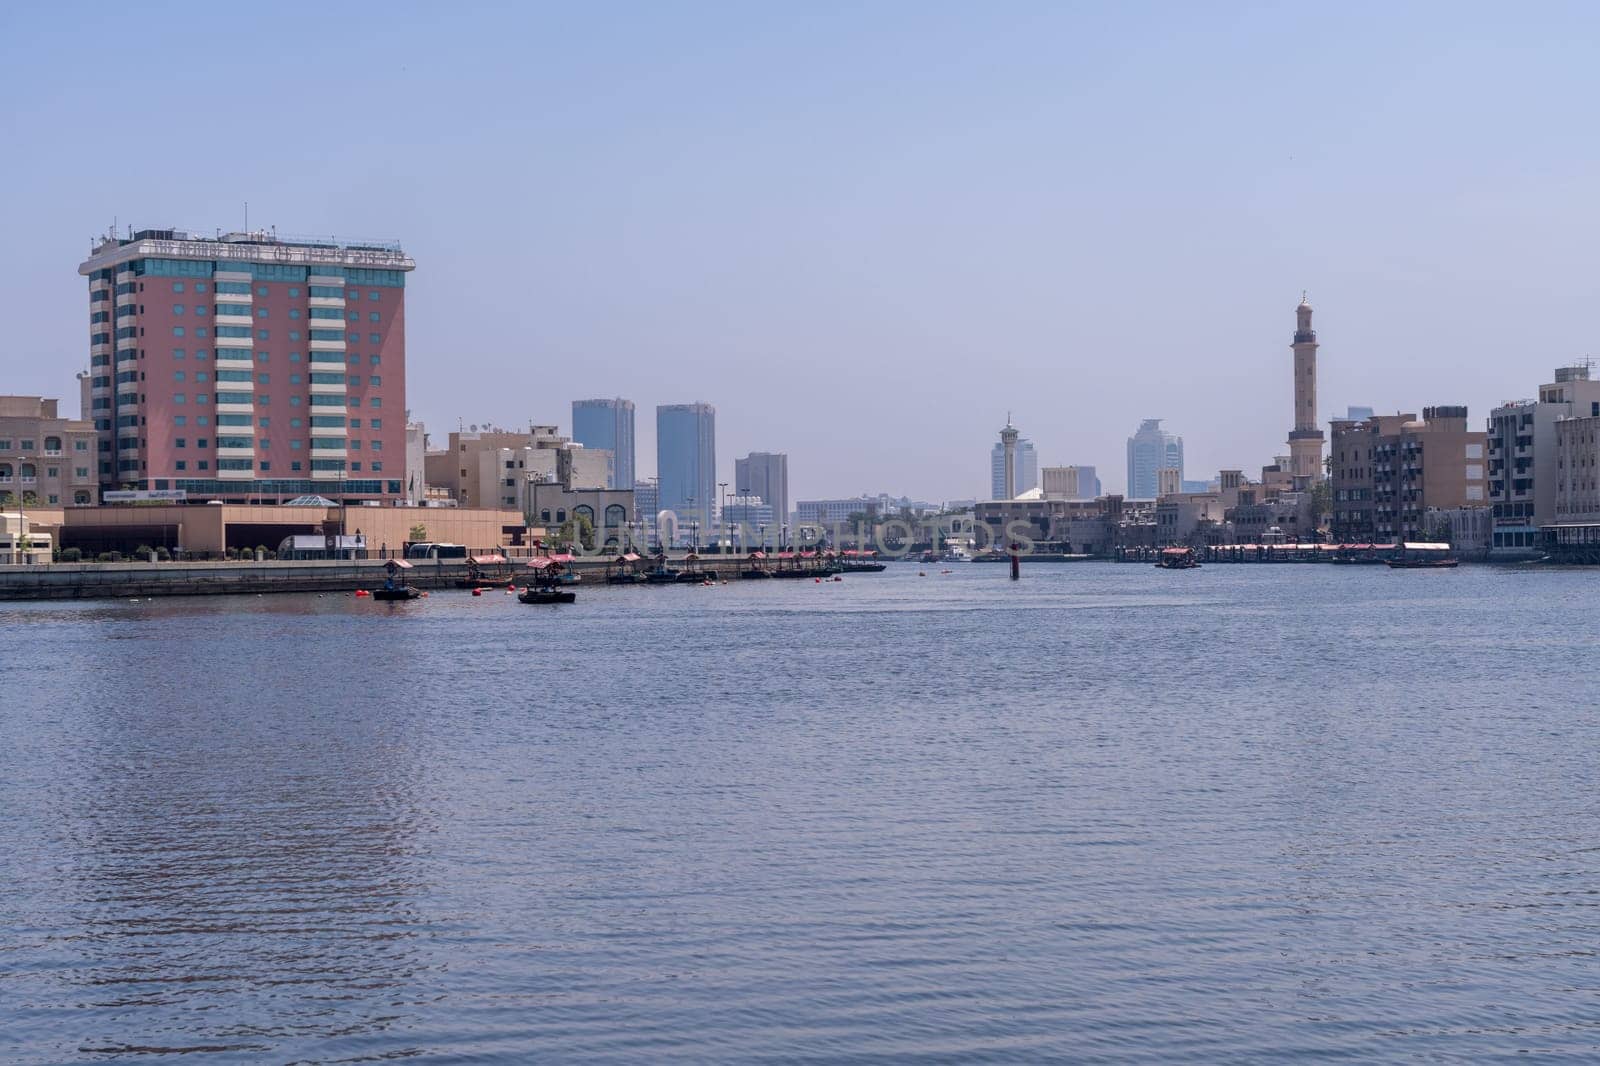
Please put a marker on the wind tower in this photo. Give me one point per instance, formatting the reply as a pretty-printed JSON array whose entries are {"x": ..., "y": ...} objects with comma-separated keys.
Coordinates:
[{"x": 1305, "y": 440}]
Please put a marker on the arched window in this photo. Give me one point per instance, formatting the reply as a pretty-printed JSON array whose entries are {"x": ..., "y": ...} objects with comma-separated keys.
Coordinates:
[
  {"x": 52, "y": 444},
  {"x": 29, "y": 470},
  {"x": 616, "y": 516},
  {"x": 583, "y": 510},
  {"x": 561, "y": 514}
]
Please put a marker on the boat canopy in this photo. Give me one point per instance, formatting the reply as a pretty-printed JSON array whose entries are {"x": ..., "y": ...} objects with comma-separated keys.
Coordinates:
[
  {"x": 484, "y": 560},
  {"x": 853, "y": 553},
  {"x": 398, "y": 564},
  {"x": 758, "y": 555},
  {"x": 543, "y": 562},
  {"x": 1426, "y": 546},
  {"x": 630, "y": 557}
]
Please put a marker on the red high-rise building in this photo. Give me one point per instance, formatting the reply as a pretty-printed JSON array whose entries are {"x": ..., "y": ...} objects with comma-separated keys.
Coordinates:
[{"x": 248, "y": 367}]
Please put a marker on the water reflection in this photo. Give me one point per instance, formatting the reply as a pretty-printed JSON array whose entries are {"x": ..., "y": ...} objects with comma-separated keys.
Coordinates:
[{"x": 233, "y": 846}]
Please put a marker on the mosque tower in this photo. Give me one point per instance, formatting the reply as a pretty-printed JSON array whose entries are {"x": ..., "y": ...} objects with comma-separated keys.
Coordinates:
[
  {"x": 1305, "y": 440},
  {"x": 1008, "y": 440}
]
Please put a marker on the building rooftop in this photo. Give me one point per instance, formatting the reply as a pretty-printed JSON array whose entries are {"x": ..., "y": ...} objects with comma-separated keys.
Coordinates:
[{"x": 250, "y": 246}]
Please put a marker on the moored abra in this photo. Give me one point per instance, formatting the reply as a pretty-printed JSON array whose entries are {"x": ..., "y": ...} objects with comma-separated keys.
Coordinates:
[
  {"x": 1177, "y": 559},
  {"x": 1415, "y": 556},
  {"x": 549, "y": 573}
]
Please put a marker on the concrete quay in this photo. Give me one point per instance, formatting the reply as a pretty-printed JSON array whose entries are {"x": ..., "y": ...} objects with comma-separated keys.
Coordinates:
[{"x": 71, "y": 581}]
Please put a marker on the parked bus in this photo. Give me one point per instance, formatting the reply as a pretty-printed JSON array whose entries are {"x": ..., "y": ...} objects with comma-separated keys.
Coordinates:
[{"x": 433, "y": 550}]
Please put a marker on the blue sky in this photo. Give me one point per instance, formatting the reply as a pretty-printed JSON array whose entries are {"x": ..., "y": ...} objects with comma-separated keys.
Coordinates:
[{"x": 864, "y": 232}]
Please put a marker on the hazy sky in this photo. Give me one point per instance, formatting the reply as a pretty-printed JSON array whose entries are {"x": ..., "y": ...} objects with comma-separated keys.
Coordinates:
[{"x": 863, "y": 231}]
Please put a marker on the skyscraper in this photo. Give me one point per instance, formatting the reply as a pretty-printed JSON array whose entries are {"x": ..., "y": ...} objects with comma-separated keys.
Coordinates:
[
  {"x": 248, "y": 367},
  {"x": 1149, "y": 450},
  {"x": 686, "y": 459},
  {"x": 1305, "y": 439},
  {"x": 607, "y": 424},
  {"x": 764, "y": 474},
  {"x": 1025, "y": 467}
]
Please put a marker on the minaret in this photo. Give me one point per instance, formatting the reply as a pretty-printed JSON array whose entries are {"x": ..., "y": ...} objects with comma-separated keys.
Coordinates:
[
  {"x": 1305, "y": 440},
  {"x": 1008, "y": 441}
]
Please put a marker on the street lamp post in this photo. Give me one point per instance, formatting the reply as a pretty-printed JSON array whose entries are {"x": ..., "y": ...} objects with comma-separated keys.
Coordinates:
[{"x": 722, "y": 500}]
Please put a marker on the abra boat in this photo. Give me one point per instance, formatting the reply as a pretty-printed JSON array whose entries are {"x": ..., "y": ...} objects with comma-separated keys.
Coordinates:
[
  {"x": 546, "y": 594},
  {"x": 549, "y": 571},
  {"x": 394, "y": 588},
  {"x": 479, "y": 578},
  {"x": 1177, "y": 559},
  {"x": 861, "y": 562},
  {"x": 1418, "y": 556},
  {"x": 624, "y": 571}
]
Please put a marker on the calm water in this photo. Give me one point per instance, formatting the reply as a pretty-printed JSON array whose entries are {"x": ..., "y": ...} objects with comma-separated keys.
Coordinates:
[{"x": 1111, "y": 813}]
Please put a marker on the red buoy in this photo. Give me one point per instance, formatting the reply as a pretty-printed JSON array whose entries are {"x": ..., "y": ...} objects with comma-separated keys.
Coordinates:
[{"x": 477, "y": 592}]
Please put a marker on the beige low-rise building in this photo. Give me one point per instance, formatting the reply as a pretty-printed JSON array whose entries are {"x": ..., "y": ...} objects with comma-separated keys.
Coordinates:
[
  {"x": 1577, "y": 472},
  {"x": 489, "y": 468},
  {"x": 210, "y": 530},
  {"x": 46, "y": 460},
  {"x": 22, "y": 541},
  {"x": 1069, "y": 483}
]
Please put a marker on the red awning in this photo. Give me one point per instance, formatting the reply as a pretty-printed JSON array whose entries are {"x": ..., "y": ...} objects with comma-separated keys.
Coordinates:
[
  {"x": 786, "y": 555},
  {"x": 483, "y": 560},
  {"x": 561, "y": 558},
  {"x": 758, "y": 555},
  {"x": 543, "y": 562}
]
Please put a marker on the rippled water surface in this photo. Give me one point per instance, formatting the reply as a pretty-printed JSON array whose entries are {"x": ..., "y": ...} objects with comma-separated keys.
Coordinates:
[{"x": 1239, "y": 813}]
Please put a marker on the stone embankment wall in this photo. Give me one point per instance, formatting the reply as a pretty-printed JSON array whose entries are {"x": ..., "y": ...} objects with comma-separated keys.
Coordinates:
[{"x": 67, "y": 581}]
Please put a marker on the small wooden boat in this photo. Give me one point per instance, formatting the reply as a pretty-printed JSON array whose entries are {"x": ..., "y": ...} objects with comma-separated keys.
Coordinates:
[
  {"x": 853, "y": 561},
  {"x": 1177, "y": 559},
  {"x": 549, "y": 571},
  {"x": 480, "y": 578},
  {"x": 546, "y": 594},
  {"x": 1423, "y": 556},
  {"x": 623, "y": 571},
  {"x": 394, "y": 588}
]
